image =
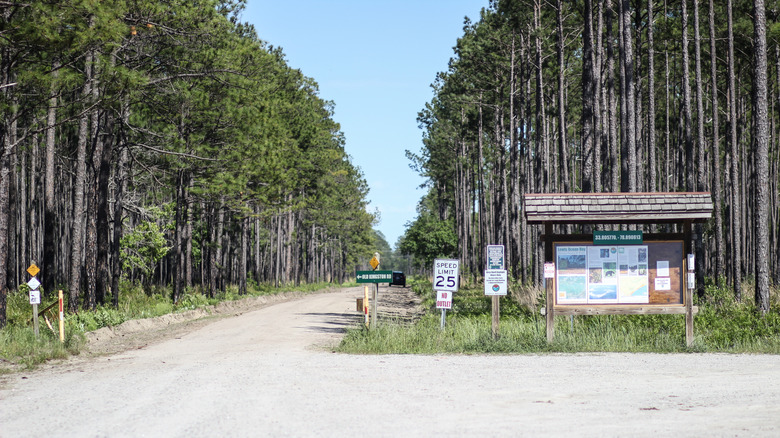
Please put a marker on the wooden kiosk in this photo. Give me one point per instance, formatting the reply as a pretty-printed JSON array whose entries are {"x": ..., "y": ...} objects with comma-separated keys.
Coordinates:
[{"x": 618, "y": 272}]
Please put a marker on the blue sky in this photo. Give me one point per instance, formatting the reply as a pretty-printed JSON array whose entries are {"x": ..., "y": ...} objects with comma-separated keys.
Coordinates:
[{"x": 375, "y": 59}]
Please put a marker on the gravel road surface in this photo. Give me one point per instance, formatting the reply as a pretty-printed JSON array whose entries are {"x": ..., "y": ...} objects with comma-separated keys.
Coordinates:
[{"x": 269, "y": 372}]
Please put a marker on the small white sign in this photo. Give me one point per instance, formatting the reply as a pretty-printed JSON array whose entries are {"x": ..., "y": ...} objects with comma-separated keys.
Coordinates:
[
  {"x": 549, "y": 270},
  {"x": 443, "y": 299},
  {"x": 691, "y": 280},
  {"x": 662, "y": 268},
  {"x": 495, "y": 282},
  {"x": 33, "y": 283},
  {"x": 691, "y": 262},
  {"x": 663, "y": 283},
  {"x": 35, "y": 297}
]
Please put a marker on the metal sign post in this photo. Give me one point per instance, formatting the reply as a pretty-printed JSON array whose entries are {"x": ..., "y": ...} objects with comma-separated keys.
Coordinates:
[
  {"x": 375, "y": 277},
  {"x": 446, "y": 277},
  {"x": 35, "y": 294}
]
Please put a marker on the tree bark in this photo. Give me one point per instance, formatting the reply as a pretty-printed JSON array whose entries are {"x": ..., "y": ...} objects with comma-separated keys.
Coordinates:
[
  {"x": 561, "y": 106},
  {"x": 49, "y": 266},
  {"x": 91, "y": 189},
  {"x": 629, "y": 104},
  {"x": 244, "y": 251},
  {"x": 690, "y": 182},
  {"x": 761, "y": 157},
  {"x": 543, "y": 152},
  {"x": 77, "y": 224},
  {"x": 7, "y": 151},
  {"x": 701, "y": 163},
  {"x": 717, "y": 186},
  {"x": 736, "y": 212},
  {"x": 588, "y": 96},
  {"x": 651, "y": 152},
  {"x": 612, "y": 103}
]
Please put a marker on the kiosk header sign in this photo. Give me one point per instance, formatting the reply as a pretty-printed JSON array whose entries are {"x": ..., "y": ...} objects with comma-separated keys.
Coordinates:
[{"x": 631, "y": 237}]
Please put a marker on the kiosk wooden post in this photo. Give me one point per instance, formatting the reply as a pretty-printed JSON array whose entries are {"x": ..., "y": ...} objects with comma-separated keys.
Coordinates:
[
  {"x": 659, "y": 259},
  {"x": 550, "y": 308},
  {"x": 687, "y": 232}
]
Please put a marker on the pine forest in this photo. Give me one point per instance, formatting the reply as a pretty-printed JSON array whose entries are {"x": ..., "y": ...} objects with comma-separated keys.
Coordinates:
[
  {"x": 554, "y": 96},
  {"x": 165, "y": 143}
]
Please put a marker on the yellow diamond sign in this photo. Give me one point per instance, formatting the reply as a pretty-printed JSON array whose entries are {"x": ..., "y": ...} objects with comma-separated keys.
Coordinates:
[
  {"x": 374, "y": 262},
  {"x": 33, "y": 270}
]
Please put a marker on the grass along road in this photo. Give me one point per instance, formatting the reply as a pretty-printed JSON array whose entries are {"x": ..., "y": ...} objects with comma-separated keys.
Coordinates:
[{"x": 270, "y": 372}]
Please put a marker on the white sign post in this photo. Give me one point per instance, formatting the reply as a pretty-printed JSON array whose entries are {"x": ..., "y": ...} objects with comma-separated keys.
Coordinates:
[
  {"x": 35, "y": 294},
  {"x": 495, "y": 281},
  {"x": 446, "y": 276}
]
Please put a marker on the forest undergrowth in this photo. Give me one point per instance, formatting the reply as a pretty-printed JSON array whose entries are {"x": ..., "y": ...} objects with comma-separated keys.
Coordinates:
[{"x": 723, "y": 325}]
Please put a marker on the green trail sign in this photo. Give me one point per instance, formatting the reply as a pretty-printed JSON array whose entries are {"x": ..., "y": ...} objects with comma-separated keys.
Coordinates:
[
  {"x": 374, "y": 276},
  {"x": 632, "y": 237}
]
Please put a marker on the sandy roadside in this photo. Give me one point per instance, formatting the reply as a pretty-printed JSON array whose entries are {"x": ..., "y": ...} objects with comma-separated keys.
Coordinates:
[{"x": 268, "y": 372}]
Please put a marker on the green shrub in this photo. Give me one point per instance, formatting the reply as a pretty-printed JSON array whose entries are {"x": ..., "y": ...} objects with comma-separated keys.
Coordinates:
[{"x": 191, "y": 300}]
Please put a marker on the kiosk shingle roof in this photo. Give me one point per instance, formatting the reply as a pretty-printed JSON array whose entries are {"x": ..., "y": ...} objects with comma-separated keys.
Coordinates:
[{"x": 570, "y": 208}]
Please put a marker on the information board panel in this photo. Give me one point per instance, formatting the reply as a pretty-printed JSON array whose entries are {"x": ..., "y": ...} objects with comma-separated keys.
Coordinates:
[{"x": 618, "y": 274}]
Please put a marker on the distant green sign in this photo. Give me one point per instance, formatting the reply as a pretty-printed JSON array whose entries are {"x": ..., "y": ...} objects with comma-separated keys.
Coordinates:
[
  {"x": 618, "y": 237},
  {"x": 374, "y": 276}
]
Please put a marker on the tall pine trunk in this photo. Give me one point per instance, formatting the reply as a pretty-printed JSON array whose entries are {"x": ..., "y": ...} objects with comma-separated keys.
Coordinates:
[
  {"x": 77, "y": 224},
  {"x": 629, "y": 102},
  {"x": 717, "y": 186},
  {"x": 48, "y": 268},
  {"x": 561, "y": 99},
  {"x": 689, "y": 161},
  {"x": 612, "y": 99},
  {"x": 736, "y": 222},
  {"x": 651, "y": 152},
  {"x": 588, "y": 97},
  {"x": 701, "y": 163},
  {"x": 761, "y": 157}
]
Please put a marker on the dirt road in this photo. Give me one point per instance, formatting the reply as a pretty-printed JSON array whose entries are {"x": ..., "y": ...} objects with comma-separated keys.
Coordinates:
[{"x": 269, "y": 372}]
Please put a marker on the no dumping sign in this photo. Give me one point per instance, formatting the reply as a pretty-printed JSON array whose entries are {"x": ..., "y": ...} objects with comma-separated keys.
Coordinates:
[{"x": 495, "y": 282}]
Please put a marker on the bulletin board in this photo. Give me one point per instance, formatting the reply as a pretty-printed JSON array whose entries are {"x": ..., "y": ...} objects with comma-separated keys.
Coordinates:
[{"x": 645, "y": 274}]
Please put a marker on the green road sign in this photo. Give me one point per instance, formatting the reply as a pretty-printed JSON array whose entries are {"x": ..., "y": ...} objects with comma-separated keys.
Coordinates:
[{"x": 374, "y": 276}]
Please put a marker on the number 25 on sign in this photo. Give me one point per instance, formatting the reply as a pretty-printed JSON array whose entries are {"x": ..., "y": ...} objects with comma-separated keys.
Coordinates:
[{"x": 446, "y": 274}]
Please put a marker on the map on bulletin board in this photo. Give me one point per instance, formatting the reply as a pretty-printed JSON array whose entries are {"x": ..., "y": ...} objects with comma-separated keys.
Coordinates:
[{"x": 608, "y": 274}]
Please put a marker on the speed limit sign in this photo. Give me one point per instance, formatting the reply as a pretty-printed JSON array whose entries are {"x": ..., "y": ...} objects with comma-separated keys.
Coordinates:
[{"x": 445, "y": 274}]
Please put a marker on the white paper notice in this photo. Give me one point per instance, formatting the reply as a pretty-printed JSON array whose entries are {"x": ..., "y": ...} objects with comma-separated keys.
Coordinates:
[
  {"x": 662, "y": 269},
  {"x": 663, "y": 283}
]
